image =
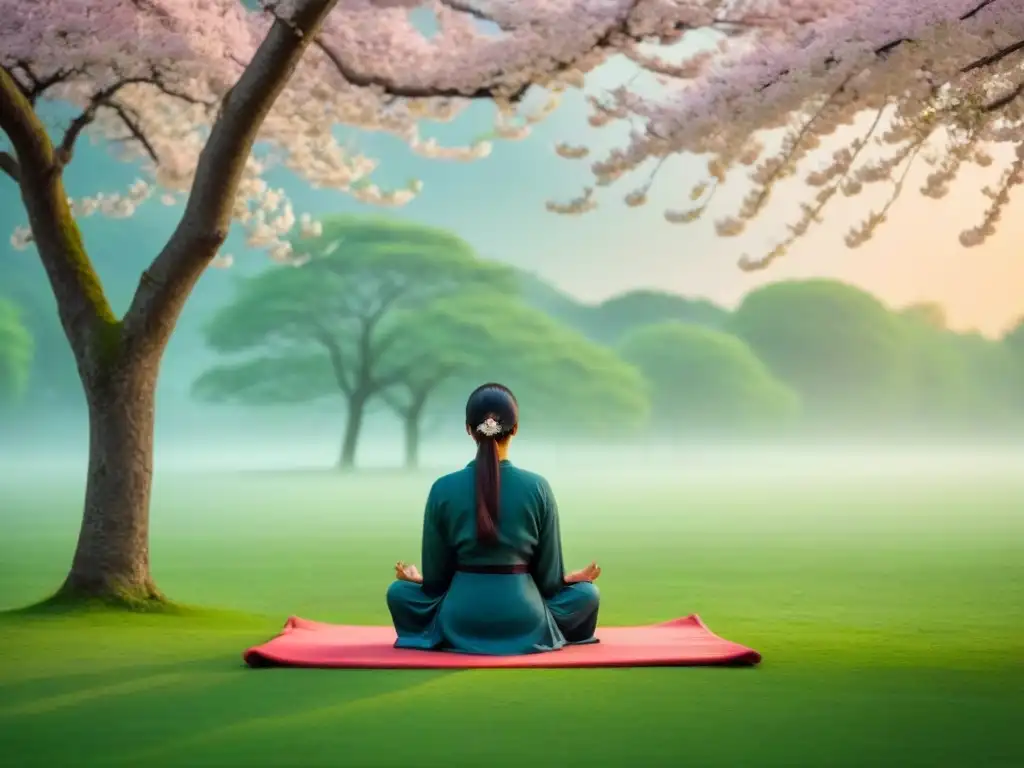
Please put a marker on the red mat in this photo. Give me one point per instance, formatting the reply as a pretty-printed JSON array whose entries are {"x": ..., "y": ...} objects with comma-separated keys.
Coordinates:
[{"x": 682, "y": 642}]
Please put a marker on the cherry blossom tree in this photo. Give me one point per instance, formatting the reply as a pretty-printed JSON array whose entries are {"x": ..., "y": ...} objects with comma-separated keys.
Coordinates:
[
  {"x": 186, "y": 89},
  {"x": 891, "y": 82}
]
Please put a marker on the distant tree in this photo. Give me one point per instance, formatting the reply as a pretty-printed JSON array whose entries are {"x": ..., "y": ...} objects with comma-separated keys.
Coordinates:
[
  {"x": 1013, "y": 342},
  {"x": 476, "y": 337},
  {"x": 928, "y": 312},
  {"x": 609, "y": 320},
  {"x": 15, "y": 353},
  {"x": 613, "y": 318},
  {"x": 842, "y": 351},
  {"x": 53, "y": 373},
  {"x": 947, "y": 391},
  {"x": 540, "y": 294},
  {"x": 706, "y": 381},
  {"x": 997, "y": 394},
  {"x": 326, "y": 328}
]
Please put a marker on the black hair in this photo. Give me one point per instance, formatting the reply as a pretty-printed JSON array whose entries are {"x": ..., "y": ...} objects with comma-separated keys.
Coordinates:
[{"x": 488, "y": 402}]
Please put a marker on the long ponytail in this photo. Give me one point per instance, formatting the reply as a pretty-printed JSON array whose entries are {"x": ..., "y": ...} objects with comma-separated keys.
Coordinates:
[
  {"x": 488, "y": 489},
  {"x": 492, "y": 417}
]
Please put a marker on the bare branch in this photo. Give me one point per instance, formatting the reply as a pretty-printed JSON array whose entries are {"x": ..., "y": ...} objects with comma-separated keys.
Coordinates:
[
  {"x": 417, "y": 390},
  {"x": 994, "y": 58},
  {"x": 204, "y": 225},
  {"x": 105, "y": 99},
  {"x": 977, "y": 9},
  {"x": 337, "y": 358},
  {"x": 75, "y": 128},
  {"x": 37, "y": 86},
  {"x": 9, "y": 165},
  {"x": 134, "y": 129},
  {"x": 1005, "y": 100},
  {"x": 394, "y": 403}
]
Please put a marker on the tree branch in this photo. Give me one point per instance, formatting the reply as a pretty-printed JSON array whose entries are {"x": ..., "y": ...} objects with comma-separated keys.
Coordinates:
[
  {"x": 418, "y": 390},
  {"x": 338, "y": 365},
  {"x": 468, "y": 8},
  {"x": 166, "y": 284},
  {"x": 84, "y": 310},
  {"x": 105, "y": 98},
  {"x": 884, "y": 50},
  {"x": 9, "y": 165},
  {"x": 1005, "y": 100},
  {"x": 134, "y": 129},
  {"x": 994, "y": 58},
  {"x": 75, "y": 128},
  {"x": 37, "y": 86},
  {"x": 496, "y": 85},
  {"x": 398, "y": 406}
]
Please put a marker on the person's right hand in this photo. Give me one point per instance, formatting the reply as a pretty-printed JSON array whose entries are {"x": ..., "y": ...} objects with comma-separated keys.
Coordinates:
[
  {"x": 407, "y": 572},
  {"x": 590, "y": 573}
]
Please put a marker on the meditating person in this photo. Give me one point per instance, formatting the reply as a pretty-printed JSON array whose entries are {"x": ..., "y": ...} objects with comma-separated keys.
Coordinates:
[{"x": 493, "y": 581}]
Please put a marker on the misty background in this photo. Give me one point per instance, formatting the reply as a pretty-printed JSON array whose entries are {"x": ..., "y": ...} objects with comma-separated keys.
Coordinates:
[{"x": 906, "y": 346}]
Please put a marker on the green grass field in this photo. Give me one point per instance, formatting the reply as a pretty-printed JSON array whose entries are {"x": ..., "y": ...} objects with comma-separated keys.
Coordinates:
[{"x": 890, "y": 615}]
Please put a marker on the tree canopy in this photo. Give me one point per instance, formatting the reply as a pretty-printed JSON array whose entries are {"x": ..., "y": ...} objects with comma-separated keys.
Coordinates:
[
  {"x": 947, "y": 390},
  {"x": 15, "y": 353},
  {"x": 567, "y": 385},
  {"x": 703, "y": 380},
  {"x": 837, "y": 346},
  {"x": 410, "y": 316},
  {"x": 472, "y": 337},
  {"x": 329, "y": 326},
  {"x": 613, "y": 318}
]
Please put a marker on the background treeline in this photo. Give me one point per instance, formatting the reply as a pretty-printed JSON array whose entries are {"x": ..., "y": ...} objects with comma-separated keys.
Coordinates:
[{"x": 394, "y": 316}]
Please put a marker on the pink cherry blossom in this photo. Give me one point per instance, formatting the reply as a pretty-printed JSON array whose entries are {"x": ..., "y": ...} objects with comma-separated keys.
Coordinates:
[
  {"x": 941, "y": 76},
  {"x": 941, "y": 83},
  {"x": 149, "y": 75}
]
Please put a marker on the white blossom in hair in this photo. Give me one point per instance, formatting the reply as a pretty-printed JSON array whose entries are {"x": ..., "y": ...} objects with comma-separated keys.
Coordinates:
[{"x": 489, "y": 428}]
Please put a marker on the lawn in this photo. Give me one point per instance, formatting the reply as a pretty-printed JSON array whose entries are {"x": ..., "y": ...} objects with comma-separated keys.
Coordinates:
[{"x": 890, "y": 614}]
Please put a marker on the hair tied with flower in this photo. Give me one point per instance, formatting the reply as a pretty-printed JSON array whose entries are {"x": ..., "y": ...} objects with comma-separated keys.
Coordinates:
[{"x": 490, "y": 427}]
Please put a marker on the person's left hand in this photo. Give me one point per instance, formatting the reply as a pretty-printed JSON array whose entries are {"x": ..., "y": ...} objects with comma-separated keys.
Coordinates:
[{"x": 408, "y": 572}]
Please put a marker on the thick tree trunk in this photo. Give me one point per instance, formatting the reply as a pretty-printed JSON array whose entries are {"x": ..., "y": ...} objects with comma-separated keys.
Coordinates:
[
  {"x": 412, "y": 439},
  {"x": 353, "y": 428},
  {"x": 111, "y": 560},
  {"x": 119, "y": 361}
]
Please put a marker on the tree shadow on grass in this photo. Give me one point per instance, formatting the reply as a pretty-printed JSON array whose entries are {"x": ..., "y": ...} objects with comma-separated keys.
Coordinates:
[
  {"x": 162, "y": 706},
  {"x": 295, "y": 700}
]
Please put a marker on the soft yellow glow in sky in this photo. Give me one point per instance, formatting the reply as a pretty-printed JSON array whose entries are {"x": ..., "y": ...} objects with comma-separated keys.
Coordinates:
[{"x": 916, "y": 256}]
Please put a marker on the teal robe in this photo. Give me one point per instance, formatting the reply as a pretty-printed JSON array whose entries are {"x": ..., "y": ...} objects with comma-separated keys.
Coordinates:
[{"x": 487, "y": 613}]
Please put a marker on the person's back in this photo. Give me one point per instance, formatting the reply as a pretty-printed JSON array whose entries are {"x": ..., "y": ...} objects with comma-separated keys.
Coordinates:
[{"x": 493, "y": 579}]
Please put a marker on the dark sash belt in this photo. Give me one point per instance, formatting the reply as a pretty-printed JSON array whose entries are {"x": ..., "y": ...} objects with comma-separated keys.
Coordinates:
[{"x": 497, "y": 569}]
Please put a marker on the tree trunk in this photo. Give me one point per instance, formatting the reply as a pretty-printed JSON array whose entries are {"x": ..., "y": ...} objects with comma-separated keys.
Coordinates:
[
  {"x": 111, "y": 561},
  {"x": 412, "y": 439},
  {"x": 353, "y": 427}
]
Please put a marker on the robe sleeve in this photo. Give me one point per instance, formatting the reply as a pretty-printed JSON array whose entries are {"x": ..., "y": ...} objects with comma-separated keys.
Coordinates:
[
  {"x": 438, "y": 556},
  {"x": 547, "y": 567}
]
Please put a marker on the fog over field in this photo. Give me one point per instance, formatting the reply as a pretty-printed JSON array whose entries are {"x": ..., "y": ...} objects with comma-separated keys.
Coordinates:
[{"x": 310, "y": 445}]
